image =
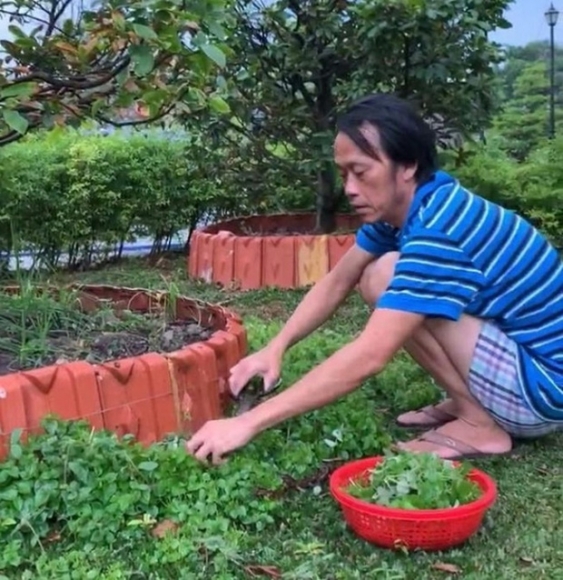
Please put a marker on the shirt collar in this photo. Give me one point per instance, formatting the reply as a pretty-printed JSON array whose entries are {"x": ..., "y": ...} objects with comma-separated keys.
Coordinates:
[{"x": 437, "y": 179}]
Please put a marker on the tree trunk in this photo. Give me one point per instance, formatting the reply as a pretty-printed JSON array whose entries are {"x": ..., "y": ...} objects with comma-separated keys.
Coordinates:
[{"x": 327, "y": 200}]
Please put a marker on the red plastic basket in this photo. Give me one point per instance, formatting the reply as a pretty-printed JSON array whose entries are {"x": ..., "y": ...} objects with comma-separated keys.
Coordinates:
[{"x": 434, "y": 529}]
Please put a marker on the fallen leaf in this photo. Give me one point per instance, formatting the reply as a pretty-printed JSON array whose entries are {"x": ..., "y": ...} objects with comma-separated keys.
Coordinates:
[
  {"x": 269, "y": 571},
  {"x": 526, "y": 560},
  {"x": 448, "y": 568},
  {"x": 164, "y": 527}
]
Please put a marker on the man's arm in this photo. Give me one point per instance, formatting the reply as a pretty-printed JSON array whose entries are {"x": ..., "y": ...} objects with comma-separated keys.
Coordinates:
[
  {"x": 344, "y": 371},
  {"x": 323, "y": 299},
  {"x": 340, "y": 374}
]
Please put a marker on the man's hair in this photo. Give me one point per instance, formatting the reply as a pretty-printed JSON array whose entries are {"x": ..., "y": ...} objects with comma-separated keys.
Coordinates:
[{"x": 405, "y": 137}]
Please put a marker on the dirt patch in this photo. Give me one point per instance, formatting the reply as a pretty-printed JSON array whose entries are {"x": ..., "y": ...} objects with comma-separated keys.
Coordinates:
[
  {"x": 38, "y": 331},
  {"x": 290, "y": 484}
]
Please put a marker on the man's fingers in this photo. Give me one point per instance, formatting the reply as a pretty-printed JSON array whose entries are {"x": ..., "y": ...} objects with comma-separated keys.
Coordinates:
[
  {"x": 218, "y": 458},
  {"x": 238, "y": 379},
  {"x": 197, "y": 440},
  {"x": 204, "y": 451},
  {"x": 193, "y": 444},
  {"x": 270, "y": 381},
  {"x": 235, "y": 385}
]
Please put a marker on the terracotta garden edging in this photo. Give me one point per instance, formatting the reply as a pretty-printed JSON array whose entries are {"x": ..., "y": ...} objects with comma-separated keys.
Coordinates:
[
  {"x": 148, "y": 396},
  {"x": 225, "y": 253}
]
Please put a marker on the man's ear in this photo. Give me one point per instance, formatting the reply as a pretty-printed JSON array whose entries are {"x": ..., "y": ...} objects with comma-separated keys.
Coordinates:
[{"x": 409, "y": 172}]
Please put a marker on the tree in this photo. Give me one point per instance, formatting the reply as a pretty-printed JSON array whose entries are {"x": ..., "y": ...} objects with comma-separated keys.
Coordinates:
[
  {"x": 60, "y": 66},
  {"x": 297, "y": 62},
  {"x": 525, "y": 83}
]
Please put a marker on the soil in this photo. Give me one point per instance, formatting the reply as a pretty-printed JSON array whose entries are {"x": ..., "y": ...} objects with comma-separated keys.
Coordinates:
[{"x": 98, "y": 338}]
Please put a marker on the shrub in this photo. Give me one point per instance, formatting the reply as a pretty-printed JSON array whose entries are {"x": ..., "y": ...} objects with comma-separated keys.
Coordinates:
[
  {"x": 531, "y": 188},
  {"x": 66, "y": 192}
]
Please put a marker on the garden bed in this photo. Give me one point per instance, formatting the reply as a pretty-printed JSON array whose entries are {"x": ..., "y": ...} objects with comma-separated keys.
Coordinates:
[
  {"x": 58, "y": 329},
  {"x": 280, "y": 251},
  {"x": 125, "y": 359}
]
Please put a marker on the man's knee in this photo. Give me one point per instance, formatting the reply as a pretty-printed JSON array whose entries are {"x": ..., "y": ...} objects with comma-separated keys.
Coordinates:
[{"x": 377, "y": 276}]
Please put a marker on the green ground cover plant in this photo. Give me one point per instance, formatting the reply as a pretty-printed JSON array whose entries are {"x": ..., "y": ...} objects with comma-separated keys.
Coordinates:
[{"x": 78, "y": 505}]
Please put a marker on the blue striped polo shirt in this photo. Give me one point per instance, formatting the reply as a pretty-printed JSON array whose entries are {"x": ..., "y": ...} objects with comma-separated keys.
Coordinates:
[{"x": 461, "y": 253}]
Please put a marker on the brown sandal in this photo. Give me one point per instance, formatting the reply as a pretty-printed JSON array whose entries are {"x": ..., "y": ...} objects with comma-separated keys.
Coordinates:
[
  {"x": 464, "y": 450},
  {"x": 437, "y": 418}
]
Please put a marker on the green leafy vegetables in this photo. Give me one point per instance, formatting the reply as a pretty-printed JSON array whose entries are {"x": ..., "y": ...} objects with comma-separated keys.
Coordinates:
[{"x": 416, "y": 481}]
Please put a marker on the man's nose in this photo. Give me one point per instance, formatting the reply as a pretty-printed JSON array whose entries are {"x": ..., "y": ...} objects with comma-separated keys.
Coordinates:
[{"x": 351, "y": 187}]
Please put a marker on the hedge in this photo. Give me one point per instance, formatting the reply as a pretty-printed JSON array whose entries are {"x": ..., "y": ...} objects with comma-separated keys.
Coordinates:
[
  {"x": 66, "y": 192},
  {"x": 532, "y": 188}
]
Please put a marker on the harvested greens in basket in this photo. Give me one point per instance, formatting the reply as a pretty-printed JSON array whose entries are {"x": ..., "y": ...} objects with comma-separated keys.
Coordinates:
[{"x": 416, "y": 481}]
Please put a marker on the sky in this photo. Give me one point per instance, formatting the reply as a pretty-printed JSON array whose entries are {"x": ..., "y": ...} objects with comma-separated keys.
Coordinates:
[{"x": 528, "y": 23}]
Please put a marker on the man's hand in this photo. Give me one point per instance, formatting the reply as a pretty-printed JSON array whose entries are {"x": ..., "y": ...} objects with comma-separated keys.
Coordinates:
[
  {"x": 337, "y": 376},
  {"x": 220, "y": 437},
  {"x": 265, "y": 363}
]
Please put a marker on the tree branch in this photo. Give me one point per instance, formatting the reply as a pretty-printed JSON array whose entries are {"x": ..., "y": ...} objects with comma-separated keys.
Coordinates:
[
  {"x": 134, "y": 122},
  {"x": 72, "y": 83}
]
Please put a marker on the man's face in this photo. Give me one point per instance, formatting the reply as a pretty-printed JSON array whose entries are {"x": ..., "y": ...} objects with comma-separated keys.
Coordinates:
[{"x": 377, "y": 188}]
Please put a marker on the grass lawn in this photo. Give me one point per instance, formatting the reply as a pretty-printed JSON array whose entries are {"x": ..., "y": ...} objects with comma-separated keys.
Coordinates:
[{"x": 224, "y": 523}]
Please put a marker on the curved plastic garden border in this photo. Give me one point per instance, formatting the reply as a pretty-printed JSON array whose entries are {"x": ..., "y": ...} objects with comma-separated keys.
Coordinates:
[
  {"x": 148, "y": 396},
  {"x": 244, "y": 253}
]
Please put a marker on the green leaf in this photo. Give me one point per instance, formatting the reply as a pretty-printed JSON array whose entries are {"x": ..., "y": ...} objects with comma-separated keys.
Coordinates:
[
  {"x": 17, "y": 90},
  {"x": 214, "y": 53},
  {"x": 217, "y": 30},
  {"x": 79, "y": 470},
  {"x": 97, "y": 106},
  {"x": 122, "y": 76},
  {"x": 219, "y": 104},
  {"x": 15, "y": 436},
  {"x": 145, "y": 32},
  {"x": 143, "y": 59},
  {"x": 17, "y": 31},
  {"x": 16, "y": 451},
  {"x": 148, "y": 465},
  {"x": 15, "y": 121}
]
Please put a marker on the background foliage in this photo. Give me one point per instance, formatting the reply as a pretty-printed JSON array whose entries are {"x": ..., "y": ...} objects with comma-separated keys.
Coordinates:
[
  {"x": 269, "y": 149},
  {"x": 69, "y": 193},
  {"x": 295, "y": 64},
  {"x": 64, "y": 60}
]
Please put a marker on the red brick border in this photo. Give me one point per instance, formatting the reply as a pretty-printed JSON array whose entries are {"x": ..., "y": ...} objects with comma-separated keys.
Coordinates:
[
  {"x": 149, "y": 396},
  {"x": 222, "y": 253}
]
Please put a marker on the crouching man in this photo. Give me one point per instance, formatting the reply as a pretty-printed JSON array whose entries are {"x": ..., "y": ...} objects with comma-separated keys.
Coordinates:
[{"x": 471, "y": 290}]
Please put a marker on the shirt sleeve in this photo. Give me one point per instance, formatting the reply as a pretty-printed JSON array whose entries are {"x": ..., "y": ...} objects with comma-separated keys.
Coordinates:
[
  {"x": 433, "y": 277},
  {"x": 378, "y": 238}
]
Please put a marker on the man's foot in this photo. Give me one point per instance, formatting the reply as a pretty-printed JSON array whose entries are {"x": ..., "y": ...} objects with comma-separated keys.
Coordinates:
[
  {"x": 460, "y": 439},
  {"x": 428, "y": 417}
]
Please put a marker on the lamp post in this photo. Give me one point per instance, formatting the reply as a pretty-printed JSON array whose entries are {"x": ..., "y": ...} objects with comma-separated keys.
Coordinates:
[{"x": 551, "y": 16}]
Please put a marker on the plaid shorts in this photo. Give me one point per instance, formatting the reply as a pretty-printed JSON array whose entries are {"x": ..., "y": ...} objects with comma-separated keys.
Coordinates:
[{"x": 494, "y": 382}]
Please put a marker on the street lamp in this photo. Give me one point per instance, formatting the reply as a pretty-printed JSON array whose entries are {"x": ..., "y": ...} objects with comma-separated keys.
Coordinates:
[{"x": 551, "y": 17}]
